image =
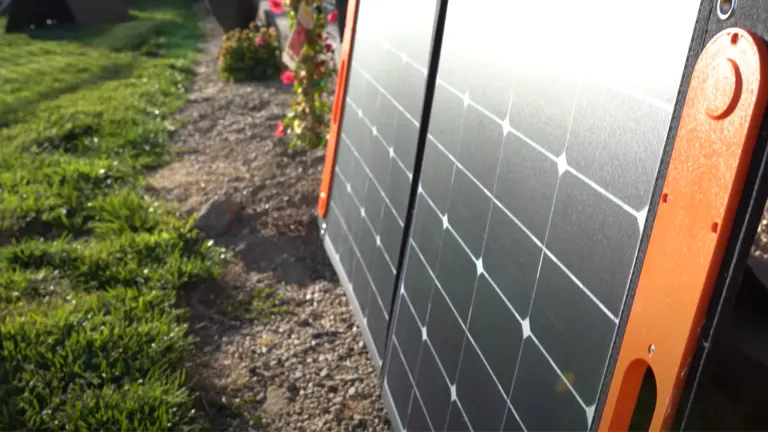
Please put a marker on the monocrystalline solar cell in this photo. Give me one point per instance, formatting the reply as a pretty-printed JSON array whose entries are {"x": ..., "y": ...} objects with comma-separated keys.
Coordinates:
[
  {"x": 376, "y": 154},
  {"x": 542, "y": 153}
]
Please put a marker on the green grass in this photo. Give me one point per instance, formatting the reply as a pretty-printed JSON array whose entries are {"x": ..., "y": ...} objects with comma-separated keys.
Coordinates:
[
  {"x": 90, "y": 268},
  {"x": 260, "y": 303}
]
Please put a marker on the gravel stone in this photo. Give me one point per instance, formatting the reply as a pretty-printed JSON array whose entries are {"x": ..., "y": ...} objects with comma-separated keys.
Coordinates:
[
  {"x": 244, "y": 366},
  {"x": 216, "y": 216}
]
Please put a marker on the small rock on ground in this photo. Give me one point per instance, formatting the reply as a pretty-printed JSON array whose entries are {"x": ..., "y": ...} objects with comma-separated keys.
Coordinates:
[{"x": 217, "y": 216}]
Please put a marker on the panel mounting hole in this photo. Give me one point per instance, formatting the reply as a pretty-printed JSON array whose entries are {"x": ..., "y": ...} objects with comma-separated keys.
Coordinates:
[
  {"x": 715, "y": 227},
  {"x": 725, "y": 8},
  {"x": 645, "y": 404}
]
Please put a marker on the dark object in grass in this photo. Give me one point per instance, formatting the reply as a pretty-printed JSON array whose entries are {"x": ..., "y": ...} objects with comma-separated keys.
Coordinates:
[
  {"x": 4, "y": 7},
  {"x": 233, "y": 14},
  {"x": 24, "y": 15}
]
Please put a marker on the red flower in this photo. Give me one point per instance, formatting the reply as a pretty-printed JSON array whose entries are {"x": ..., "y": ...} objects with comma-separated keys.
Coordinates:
[
  {"x": 260, "y": 41},
  {"x": 287, "y": 77},
  {"x": 279, "y": 131},
  {"x": 328, "y": 47},
  {"x": 333, "y": 17},
  {"x": 276, "y": 6}
]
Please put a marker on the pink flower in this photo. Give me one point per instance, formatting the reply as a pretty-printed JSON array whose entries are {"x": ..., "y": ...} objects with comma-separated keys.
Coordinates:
[
  {"x": 287, "y": 77},
  {"x": 333, "y": 17},
  {"x": 260, "y": 40},
  {"x": 276, "y": 6},
  {"x": 279, "y": 131}
]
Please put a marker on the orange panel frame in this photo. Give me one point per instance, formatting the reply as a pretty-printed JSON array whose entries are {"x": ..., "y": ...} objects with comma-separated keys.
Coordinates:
[
  {"x": 718, "y": 129},
  {"x": 338, "y": 103}
]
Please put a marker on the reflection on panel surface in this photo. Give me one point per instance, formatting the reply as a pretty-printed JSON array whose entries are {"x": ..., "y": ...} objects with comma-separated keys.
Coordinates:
[{"x": 543, "y": 149}]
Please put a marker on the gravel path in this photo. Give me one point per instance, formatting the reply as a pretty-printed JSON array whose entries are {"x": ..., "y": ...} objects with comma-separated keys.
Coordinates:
[{"x": 306, "y": 367}]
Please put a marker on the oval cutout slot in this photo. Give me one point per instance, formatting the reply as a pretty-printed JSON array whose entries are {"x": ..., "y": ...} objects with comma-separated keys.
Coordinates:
[{"x": 637, "y": 399}]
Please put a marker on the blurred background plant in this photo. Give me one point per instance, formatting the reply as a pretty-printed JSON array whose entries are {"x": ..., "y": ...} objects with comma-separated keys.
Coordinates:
[
  {"x": 251, "y": 54},
  {"x": 306, "y": 123}
]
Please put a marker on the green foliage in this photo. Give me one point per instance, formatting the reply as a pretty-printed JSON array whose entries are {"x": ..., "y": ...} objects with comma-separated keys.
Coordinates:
[
  {"x": 55, "y": 68},
  {"x": 260, "y": 303},
  {"x": 90, "y": 267},
  {"x": 130, "y": 35},
  {"x": 155, "y": 47},
  {"x": 95, "y": 362},
  {"x": 306, "y": 123},
  {"x": 251, "y": 54},
  {"x": 266, "y": 302}
]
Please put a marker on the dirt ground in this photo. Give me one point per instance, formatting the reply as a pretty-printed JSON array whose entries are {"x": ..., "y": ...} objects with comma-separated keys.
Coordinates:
[{"x": 305, "y": 368}]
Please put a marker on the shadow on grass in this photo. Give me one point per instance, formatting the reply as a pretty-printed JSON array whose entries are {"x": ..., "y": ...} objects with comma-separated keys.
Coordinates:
[
  {"x": 146, "y": 20},
  {"x": 217, "y": 311},
  {"x": 221, "y": 310},
  {"x": 203, "y": 303},
  {"x": 73, "y": 32},
  {"x": 16, "y": 112}
]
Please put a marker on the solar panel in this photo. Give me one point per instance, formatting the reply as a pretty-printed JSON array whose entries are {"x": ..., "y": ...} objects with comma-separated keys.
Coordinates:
[
  {"x": 543, "y": 150},
  {"x": 375, "y": 155},
  {"x": 492, "y": 199}
]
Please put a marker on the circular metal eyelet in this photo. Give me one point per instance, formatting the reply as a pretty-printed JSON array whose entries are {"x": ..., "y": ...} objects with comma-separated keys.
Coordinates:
[{"x": 725, "y": 8}]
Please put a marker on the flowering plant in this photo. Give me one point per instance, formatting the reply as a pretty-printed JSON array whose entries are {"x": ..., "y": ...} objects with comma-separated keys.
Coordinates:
[
  {"x": 251, "y": 54},
  {"x": 306, "y": 123}
]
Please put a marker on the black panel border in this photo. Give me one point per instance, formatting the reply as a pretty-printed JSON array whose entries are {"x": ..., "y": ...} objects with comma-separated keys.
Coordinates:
[
  {"x": 698, "y": 42},
  {"x": 429, "y": 93},
  {"x": 429, "y": 96}
]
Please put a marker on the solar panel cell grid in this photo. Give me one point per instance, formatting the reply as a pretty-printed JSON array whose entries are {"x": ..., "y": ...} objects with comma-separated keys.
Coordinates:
[
  {"x": 376, "y": 155},
  {"x": 541, "y": 153},
  {"x": 529, "y": 216}
]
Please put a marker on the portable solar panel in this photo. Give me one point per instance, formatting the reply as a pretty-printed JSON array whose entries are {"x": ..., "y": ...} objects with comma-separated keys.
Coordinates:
[
  {"x": 530, "y": 218},
  {"x": 537, "y": 177},
  {"x": 375, "y": 154}
]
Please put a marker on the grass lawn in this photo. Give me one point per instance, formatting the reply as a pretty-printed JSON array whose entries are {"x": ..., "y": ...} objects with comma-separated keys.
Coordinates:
[{"x": 90, "y": 268}]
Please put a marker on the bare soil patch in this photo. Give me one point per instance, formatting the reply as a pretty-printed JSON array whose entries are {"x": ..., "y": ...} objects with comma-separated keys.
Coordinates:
[{"x": 279, "y": 348}]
